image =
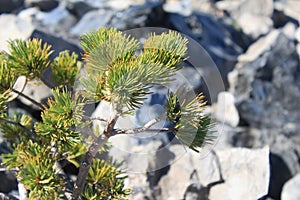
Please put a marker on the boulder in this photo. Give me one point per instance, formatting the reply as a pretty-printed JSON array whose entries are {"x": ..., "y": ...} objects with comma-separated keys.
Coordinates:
[
  {"x": 245, "y": 173},
  {"x": 188, "y": 170},
  {"x": 15, "y": 27}
]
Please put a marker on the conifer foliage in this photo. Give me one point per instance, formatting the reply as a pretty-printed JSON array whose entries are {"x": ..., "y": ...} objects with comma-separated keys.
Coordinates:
[{"x": 117, "y": 69}]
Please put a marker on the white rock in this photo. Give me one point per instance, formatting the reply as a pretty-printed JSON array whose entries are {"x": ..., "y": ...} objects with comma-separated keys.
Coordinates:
[
  {"x": 291, "y": 190},
  {"x": 13, "y": 27},
  {"x": 19, "y": 86},
  {"x": 123, "y": 4},
  {"x": 37, "y": 90},
  {"x": 53, "y": 17},
  {"x": 254, "y": 25},
  {"x": 259, "y": 47},
  {"x": 254, "y": 17},
  {"x": 92, "y": 21},
  {"x": 289, "y": 30},
  {"x": 185, "y": 164},
  {"x": 245, "y": 172},
  {"x": 225, "y": 110},
  {"x": 178, "y": 6}
]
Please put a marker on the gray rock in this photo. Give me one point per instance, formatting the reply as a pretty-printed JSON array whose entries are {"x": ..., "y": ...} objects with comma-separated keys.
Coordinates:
[
  {"x": 54, "y": 17},
  {"x": 225, "y": 110},
  {"x": 254, "y": 17},
  {"x": 92, "y": 21},
  {"x": 133, "y": 17},
  {"x": 15, "y": 27},
  {"x": 291, "y": 189},
  {"x": 79, "y": 9},
  {"x": 245, "y": 173},
  {"x": 188, "y": 170}
]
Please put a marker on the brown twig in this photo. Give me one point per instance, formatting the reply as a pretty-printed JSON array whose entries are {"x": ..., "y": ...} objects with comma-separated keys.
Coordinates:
[
  {"x": 39, "y": 105},
  {"x": 92, "y": 151}
]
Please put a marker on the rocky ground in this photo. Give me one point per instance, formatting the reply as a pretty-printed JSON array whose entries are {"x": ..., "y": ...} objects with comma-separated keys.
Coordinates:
[{"x": 256, "y": 48}]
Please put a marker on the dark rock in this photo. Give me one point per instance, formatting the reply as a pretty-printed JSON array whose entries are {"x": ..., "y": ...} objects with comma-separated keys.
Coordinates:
[
  {"x": 217, "y": 38},
  {"x": 79, "y": 8},
  {"x": 280, "y": 173},
  {"x": 8, "y": 182},
  {"x": 7, "y": 6},
  {"x": 58, "y": 44},
  {"x": 133, "y": 17},
  {"x": 43, "y": 5}
]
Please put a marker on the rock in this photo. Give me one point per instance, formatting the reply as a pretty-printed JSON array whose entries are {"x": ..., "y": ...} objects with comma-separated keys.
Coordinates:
[
  {"x": 259, "y": 47},
  {"x": 56, "y": 22},
  {"x": 15, "y": 27},
  {"x": 188, "y": 170},
  {"x": 290, "y": 7},
  {"x": 7, "y": 6},
  {"x": 225, "y": 110},
  {"x": 43, "y": 5},
  {"x": 37, "y": 91},
  {"x": 53, "y": 17},
  {"x": 8, "y": 182},
  {"x": 178, "y": 6},
  {"x": 90, "y": 21},
  {"x": 79, "y": 9},
  {"x": 133, "y": 17},
  {"x": 245, "y": 173},
  {"x": 123, "y": 4},
  {"x": 291, "y": 189},
  {"x": 254, "y": 17},
  {"x": 289, "y": 30},
  {"x": 58, "y": 44},
  {"x": 213, "y": 35}
]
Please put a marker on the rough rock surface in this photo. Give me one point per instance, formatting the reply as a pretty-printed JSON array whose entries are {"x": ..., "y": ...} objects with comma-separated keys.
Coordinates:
[{"x": 245, "y": 173}]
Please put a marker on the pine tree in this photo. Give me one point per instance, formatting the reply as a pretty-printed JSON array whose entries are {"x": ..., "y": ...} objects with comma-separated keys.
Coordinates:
[{"x": 117, "y": 69}]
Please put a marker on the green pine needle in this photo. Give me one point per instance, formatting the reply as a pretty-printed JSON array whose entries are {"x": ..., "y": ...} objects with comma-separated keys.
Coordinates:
[{"x": 29, "y": 58}]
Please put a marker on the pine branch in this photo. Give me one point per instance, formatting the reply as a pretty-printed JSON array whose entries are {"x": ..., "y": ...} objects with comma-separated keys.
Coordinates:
[
  {"x": 28, "y": 131},
  {"x": 92, "y": 151},
  {"x": 39, "y": 105},
  {"x": 86, "y": 164},
  {"x": 145, "y": 128},
  {"x": 25, "y": 96}
]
